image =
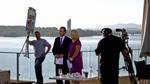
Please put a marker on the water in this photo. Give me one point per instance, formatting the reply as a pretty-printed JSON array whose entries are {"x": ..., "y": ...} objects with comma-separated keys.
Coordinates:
[{"x": 8, "y": 61}]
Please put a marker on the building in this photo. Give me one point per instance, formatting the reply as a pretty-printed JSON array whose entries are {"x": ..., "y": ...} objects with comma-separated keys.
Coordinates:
[{"x": 69, "y": 25}]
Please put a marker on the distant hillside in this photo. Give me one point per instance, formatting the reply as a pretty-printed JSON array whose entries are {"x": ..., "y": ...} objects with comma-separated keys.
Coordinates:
[
  {"x": 131, "y": 27},
  {"x": 18, "y": 31}
]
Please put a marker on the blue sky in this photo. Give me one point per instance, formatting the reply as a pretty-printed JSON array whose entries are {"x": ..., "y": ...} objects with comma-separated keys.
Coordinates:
[{"x": 84, "y": 13}]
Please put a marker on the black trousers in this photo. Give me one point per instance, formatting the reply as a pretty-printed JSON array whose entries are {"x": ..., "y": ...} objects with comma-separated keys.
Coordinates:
[
  {"x": 109, "y": 75},
  {"x": 65, "y": 70},
  {"x": 38, "y": 70}
]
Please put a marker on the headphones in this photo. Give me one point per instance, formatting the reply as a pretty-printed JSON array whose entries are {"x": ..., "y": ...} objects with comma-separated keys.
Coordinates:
[{"x": 106, "y": 31}]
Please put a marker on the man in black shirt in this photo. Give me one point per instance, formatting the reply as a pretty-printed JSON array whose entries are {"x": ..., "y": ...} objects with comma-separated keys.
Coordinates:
[{"x": 109, "y": 48}]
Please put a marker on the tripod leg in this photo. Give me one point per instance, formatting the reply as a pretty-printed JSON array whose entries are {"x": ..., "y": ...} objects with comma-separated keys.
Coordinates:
[{"x": 25, "y": 43}]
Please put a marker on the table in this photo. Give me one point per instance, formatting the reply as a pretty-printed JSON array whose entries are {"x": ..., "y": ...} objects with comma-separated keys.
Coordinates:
[{"x": 74, "y": 79}]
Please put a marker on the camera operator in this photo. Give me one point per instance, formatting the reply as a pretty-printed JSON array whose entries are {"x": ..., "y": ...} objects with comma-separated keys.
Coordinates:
[{"x": 109, "y": 49}]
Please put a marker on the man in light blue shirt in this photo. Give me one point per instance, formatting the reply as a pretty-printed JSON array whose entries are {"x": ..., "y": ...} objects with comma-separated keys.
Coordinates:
[{"x": 40, "y": 53}]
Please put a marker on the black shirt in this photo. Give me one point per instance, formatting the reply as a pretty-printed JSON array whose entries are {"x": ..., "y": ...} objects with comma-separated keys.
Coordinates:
[{"x": 109, "y": 48}]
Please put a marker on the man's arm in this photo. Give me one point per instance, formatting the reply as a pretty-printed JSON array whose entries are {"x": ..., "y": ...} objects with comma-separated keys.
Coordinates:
[
  {"x": 54, "y": 47},
  {"x": 46, "y": 44},
  {"x": 97, "y": 50},
  {"x": 30, "y": 42},
  {"x": 54, "y": 50},
  {"x": 48, "y": 49}
]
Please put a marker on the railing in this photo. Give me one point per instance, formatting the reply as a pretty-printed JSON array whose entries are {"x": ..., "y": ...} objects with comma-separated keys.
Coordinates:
[{"x": 89, "y": 59}]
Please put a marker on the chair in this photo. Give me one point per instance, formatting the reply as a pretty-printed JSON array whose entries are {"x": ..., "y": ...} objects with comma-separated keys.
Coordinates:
[{"x": 142, "y": 70}]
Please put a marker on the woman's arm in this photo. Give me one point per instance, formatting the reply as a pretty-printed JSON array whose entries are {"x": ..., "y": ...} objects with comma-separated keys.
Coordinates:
[{"x": 77, "y": 50}]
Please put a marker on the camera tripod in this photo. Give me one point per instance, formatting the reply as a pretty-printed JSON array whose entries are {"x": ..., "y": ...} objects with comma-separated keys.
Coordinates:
[{"x": 128, "y": 62}]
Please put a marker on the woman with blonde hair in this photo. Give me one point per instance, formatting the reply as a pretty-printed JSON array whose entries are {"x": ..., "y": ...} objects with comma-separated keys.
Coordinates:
[{"x": 74, "y": 55}]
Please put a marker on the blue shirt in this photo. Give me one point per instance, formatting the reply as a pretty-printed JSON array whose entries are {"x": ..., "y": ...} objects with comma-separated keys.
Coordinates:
[{"x": 39, "y": 47}]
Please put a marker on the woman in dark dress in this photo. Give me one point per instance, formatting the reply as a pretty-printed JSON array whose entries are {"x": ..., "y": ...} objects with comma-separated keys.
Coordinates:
[{"x": 75, "y": 56}]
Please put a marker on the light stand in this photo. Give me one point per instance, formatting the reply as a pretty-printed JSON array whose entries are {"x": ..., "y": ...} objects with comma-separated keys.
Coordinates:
[{"x": 30, "y": 24}]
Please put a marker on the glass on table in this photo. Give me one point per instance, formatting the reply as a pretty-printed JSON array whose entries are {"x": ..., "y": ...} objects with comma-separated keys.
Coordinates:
[{"x": 60, "y": 72}]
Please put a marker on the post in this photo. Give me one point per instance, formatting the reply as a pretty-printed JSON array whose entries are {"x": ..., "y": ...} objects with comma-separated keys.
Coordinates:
[
  {"x": 17, "y": 67},
  {"x": 88, "y": 57}
]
